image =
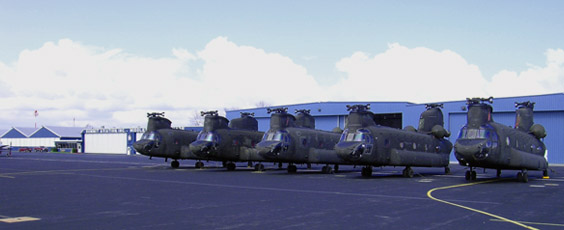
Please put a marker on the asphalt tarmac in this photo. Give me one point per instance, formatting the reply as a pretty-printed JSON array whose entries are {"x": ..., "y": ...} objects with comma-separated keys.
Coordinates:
[{"x": 96, "y": 191}]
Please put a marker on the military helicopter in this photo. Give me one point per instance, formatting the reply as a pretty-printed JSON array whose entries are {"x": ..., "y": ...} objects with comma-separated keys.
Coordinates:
[
  {"x": 294, "y": 140},
  {"x": 226, "y": 142},
  {"x": 363, "y": 142},
  {"x": 486, "y": 144},
  {"x": 161, "y": 140}
]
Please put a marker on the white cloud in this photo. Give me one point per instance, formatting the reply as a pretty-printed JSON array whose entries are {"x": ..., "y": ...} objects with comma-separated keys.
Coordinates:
[
  {"x": 69, "y": 81},
  {"x": 535, "y": 80},
  {"x": 251, "y": 75},
  {"x": 424, "y": 75},
  {"x": 403, "y": 74},
  {"x": 183, "y": 54},
  {"x": 62, "y": 77}
]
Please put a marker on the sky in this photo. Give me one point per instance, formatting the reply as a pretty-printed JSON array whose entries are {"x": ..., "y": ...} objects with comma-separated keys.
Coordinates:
[{"x": 108, "y": 63}]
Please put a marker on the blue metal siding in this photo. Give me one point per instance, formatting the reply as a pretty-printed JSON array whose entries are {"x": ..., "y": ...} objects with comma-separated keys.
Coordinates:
[
  {"x": 553, "y": 122},
  {"x": 131, "y": 138},
  {"x": 43, "y": 133},
  {"x": 195, "y": 129},
  {"x": 83, "y": 141},
  {"x": 342, "y": 121},
  {"x": 327, "y": 123},
  {"x": 13, "y": 134},
  {"x": 263, "y": 123},
  {"x": 410, "y": 115}
]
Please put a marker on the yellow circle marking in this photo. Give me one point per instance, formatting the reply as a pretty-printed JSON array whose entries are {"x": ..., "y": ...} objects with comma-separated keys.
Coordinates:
[{"x": 471, "y": 209}]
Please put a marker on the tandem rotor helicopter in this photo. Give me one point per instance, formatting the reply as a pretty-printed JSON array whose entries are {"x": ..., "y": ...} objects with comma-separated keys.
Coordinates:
[{"x": 487, "y": 144}]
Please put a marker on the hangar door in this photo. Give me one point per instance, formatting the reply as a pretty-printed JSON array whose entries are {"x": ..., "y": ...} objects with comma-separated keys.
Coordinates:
[
  {"x": 393, "y": 120},
  {"x": 389, "y": 119},
  {"x": 111, "y": 143}
]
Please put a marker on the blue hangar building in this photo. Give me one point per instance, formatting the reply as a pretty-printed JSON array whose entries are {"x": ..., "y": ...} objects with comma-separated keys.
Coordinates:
[{"x": 548, "y": 111}]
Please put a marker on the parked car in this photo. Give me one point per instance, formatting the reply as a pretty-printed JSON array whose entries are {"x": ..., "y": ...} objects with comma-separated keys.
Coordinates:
[
  {"x": 40, "y": 149},
  {"x": 25, "y": 149}
]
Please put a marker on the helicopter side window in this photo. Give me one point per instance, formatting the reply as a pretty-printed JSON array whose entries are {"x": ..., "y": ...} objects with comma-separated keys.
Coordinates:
[
  {"x": 350, "y": 137},
  {"x": 201, "y": 136},
  {"x": 344, "y": 135},
  {"x": 268, "y": 136}
]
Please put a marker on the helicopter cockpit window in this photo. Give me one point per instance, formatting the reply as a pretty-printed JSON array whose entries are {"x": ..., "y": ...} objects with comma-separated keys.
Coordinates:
[
  {"x": 275, "y": 136},
  {"x": 150, "y": 136},
  {"x": 360, "y": 135},
  {"x": 480, "y": 133},
  {"x": 207, "y": 136}
]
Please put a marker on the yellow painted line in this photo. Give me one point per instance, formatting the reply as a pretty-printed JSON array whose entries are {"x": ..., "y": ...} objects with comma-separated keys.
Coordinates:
[
  {"x": 534, "y": 223},
  {"x": 471, "y": 209},
  {"x": 12, "y": 220}
]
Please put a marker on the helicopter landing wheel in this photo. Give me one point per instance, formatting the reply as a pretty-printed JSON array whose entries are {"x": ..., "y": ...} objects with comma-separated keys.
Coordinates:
[
  {"x": 366, "y": 171},
  {"x": 231, "y": 166},
  {"x": 447, "y": 170},
  {"x": 408, "y": 172},
  {"x": 292, "y": 169},
  {"x": 259, "y": 167},
  {"x": 175, "y": 164},
  {"x": 523, "y": 177}
]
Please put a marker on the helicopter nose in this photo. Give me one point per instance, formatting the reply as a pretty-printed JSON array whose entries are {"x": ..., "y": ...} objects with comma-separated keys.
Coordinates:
[
  {"x": 474, "y": 150},
  {"x": 276, "y": 148},
  {"x": 350, "y": 152},
  {"x": 202, "y": 149},
  {"x": 143, "y": 146},
  {"x": 356, "y": 153},
  {"x": 270, "y": 150}
]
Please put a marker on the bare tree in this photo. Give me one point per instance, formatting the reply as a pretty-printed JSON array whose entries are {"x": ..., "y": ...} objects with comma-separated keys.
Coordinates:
[
  {"x": 262, "y": 104},
  {"x": 196, "y": 119}
]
